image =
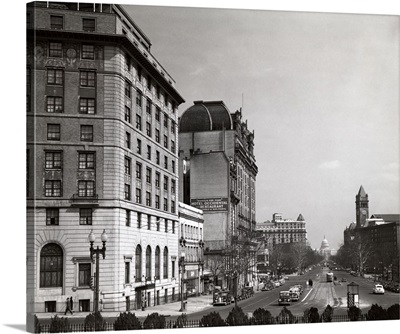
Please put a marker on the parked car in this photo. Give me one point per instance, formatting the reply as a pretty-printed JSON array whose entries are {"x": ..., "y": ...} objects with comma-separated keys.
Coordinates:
[
  {"x": 378, "y": 289},
  {"x": 276, "y": 284},
  {"x": 300, "y": 287},
  {"x": 222, "y": 298},
  {"x": 344, "y": 279}
]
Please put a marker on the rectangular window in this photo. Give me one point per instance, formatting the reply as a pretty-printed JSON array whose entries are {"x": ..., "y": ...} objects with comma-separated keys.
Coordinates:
[
  {"x": 165, "y": 141},
  {"x": 127, "y": 164},
  {"x": 173, "y": 106},
  {"x": 158, "y": 226},
  {"x": 55, "y": 49},
  {"x": 166, "y": 183},
  {"x": 173, "y": 166},
  {"x": 148, "y": 198},
  {"x": 127, "y": 272},
  {"x": 55, "y": 77},
  {"x": 139, "y": 219},
  {"x": 88, "y": 24},
  {"x": 157, "y": 135},
  {"x": 85, "y": 188},
  {"x": 52, "y": 188},
  {"x": 85, "y": 216},
  {"x": 173, "y": 272},
  {"x": 148, "y": 129},
  {"x": 173, "y": 186},
  {"x": 128, "y": 89},
  {"x": 127, "y": 140},
  {"x": 149, "y": 152},
  {"x": 138, "y": 170},
  {"x": 157, "y": 157},
  {"x": 157, "y": 201},
  {"x": 86, "y": 160},
  {"x": 128, "y": 218},
  {"x": 139, "y": 146},
  {"x": 157, "y": 180},
  {"x": 165, "y": 204},
  {"x": 56, "y": 22},
  {"x": 52, "y": 216},
  {"x": 86, "y": 132},
  {"x": 139, "y": 73},
  {"x": 165, "y": 121},
  {"x": 138, "y": 195},
  {"x": 128, "y": 63},
  {"x": 54, "y": 104},
  {"x": 53, "y": 132},
  {"x": 166, "y": 225},
  {"x": 139, "y": 122},
  {"x": 158, "y": 91},
  {"x": 148, "y": 107},
  {"x": 85, "y": 270},
  {"x": 139, "y": 98},
  {"x": 165, "y": 162},
  {"x": 148, "y": 222},
  {"x": 53, "y": 160},
  {"x": 172, "y": 206},
  {"x": 149, "y": 82},
  {"x": 87, "y": 51},
  {"x": 173, "y": 227},
  {"x": 172, "y": 127},
  {"x": 127, "y": 192},
  {"x": 87, "y": 106},
  {"x": 87, "y": 78},
  {"x": 148, "y": 175},
  {"x": 158, "y": 113},
  {"x": 127, "y": 114},
  {"x": 172, "y": 146}
]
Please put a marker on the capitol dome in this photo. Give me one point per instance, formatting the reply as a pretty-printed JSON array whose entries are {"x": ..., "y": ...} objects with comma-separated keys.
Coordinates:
[{"x": 324, "y": 244}]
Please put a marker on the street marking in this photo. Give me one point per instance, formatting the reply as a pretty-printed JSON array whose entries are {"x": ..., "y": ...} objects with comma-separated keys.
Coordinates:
[{"x": 307, "y": 295}]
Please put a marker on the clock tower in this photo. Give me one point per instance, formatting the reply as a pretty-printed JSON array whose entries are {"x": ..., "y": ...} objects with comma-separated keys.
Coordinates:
[{"x": 361, "y": 208}]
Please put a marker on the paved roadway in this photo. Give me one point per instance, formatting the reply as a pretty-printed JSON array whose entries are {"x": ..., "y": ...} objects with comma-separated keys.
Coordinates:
[{"x": 320, "y": 295}]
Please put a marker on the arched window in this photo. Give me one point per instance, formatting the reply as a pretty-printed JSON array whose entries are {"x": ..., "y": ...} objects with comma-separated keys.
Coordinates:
[
  {"x": 157, "y": 262},
  {"x": 148, "y": 263},
  {"x": 51, "y": 266},
  {"x": 138, "y": 264},
  {"x": 165, "y": 262}
]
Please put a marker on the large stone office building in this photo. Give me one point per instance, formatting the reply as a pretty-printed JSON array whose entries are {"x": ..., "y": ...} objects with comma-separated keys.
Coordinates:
[
  {"x": 218, "y": 176},
  {"x": 102, "y": 156}
]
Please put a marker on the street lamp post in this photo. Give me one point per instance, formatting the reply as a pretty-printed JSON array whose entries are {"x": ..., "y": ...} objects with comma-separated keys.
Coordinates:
[
  {"x": 182, "y": 270},
  {"x": 97, "y": 251},
  {"x": 201, "y": 264}
]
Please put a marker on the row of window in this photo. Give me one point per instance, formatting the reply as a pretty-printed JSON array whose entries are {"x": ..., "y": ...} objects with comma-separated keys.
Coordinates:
[
  {"x": 54, "y": 132},
  {"x": 149, "y": 223},
  {"x": 149, "y": 174},
  {"x": 128, "y": 145},
  {"x": 56, "y": 50},
  {"x": 148, "y": 200},
  {"x": 51, "y": 266},
  {"x": 53, "y": 188},
  {"x": 57, "y": 22}
]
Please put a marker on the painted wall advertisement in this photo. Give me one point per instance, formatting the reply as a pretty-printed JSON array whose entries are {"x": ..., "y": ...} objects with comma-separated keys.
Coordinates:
[{"x": 210, "y": 204}]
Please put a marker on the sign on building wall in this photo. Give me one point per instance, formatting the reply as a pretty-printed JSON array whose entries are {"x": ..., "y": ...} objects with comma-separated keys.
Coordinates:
[{"x": 210, "y": 204}]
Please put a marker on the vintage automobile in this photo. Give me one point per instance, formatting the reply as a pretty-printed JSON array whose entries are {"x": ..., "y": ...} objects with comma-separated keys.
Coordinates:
[
  {"x": 294, "y": 294},
  {"x": 378, "y": 289},
  {"x": 284, "y": 298},
  {"x": 222, "y": 298}
]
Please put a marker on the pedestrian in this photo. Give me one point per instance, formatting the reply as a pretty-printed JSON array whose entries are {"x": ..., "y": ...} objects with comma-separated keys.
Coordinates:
[
  {"x": 67, "y": 306},
  {"x": 71, "y": 305}
]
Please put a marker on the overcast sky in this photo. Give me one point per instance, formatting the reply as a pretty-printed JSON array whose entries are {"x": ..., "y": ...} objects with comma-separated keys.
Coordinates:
[{"x": 320, "y": 90}]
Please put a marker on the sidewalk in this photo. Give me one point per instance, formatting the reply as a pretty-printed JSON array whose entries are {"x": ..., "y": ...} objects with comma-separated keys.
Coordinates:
[{"x": 194, "y": 304}]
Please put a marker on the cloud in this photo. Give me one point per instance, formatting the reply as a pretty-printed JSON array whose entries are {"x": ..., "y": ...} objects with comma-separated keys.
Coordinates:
[{"x": 330, "y": 164}]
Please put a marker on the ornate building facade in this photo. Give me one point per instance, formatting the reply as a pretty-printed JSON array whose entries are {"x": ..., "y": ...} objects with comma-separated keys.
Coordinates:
[{"x": 102, "y": 156}]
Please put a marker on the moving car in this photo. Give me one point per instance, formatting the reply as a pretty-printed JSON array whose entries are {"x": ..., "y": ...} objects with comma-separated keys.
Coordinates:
[
  {"x": 284, "y": 298},
  {"x": 378, "y": 289},
  {"x": 222, "y": 298},
  {"x": 294, "y": 294}
]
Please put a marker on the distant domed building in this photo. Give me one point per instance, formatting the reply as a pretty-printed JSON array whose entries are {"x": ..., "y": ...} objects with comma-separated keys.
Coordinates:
[{"x": 325, "y": 250}]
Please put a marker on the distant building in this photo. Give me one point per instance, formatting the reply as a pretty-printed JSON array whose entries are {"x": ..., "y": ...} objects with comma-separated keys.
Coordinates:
[
  {"x": 218, "y": 175},
  {"x": 325, "y": 250},
  {"x": 380, "y": 234},
  {"x": 282, "y": 231}
]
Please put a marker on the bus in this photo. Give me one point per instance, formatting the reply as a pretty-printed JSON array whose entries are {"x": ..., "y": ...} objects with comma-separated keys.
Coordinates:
[{"x": 329, "y": 277}]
